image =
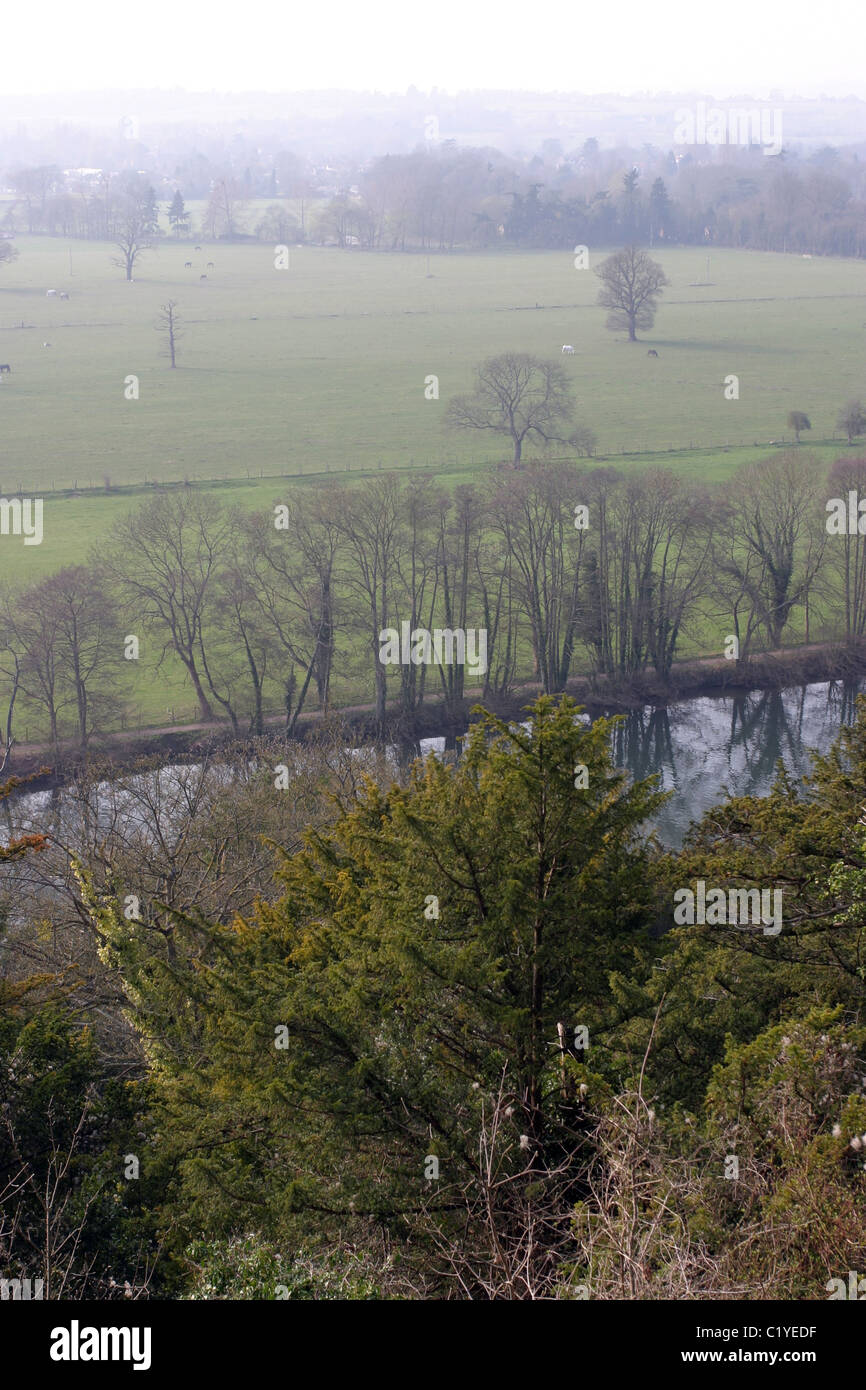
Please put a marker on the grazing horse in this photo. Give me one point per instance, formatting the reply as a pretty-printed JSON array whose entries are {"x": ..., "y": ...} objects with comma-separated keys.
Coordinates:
[
  {"x": 568, "y": 349},
  {"x": 63, "y": 294},
  {"x": 4, "y": 367},
  {"x": 46, "y": 344},
  {"x": 187, "y": 265},
  {"x": 652, "y": 353},
  {"x": 210, "y": 265}
]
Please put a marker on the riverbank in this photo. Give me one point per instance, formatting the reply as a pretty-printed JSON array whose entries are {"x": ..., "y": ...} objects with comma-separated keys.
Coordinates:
[{"x": 701, "y": 677}]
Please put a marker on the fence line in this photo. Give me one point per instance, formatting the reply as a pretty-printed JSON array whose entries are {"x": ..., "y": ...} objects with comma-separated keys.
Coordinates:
[{"x": 440, "y": 465}]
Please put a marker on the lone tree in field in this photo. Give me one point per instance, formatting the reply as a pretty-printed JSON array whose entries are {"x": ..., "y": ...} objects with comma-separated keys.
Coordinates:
[
  {"x": 135, "y": 228},
  {"x": 798, "y": 421},
  {"x": 168, "y": 322},
  {"x": 632, "y": 283},
  {"x": 852, "y": 420},
  {"x": 524, "y": 397}
]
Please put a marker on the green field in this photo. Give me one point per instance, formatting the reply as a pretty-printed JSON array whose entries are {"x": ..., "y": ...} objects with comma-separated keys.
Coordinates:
[
  {"x": 320, "y": 369},
  {"x": 322, "y": 366}
]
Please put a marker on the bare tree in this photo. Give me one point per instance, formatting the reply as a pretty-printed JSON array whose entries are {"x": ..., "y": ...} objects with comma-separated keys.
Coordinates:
[
  {"x": 31, "y": 648},
  {"x": 164, "y": 558},
  {"x": 416, "y": 579},
  {"x": 524, "y": 397},
  {"x": 370, "y": 522},
  {"x": 135, "y": 230},
  {"x": 514, "y": 1236},
  {"x": 774, "y": 539},
  {"x": 10, "y": 669},
  {"x": 168, "y": 322},
  {"x": 853, "y": 420},
  {"x": 798, "y": 421},
  {"x": 225, "y": 207},
  {"x": 847, "y": 553},
  {"x": 460, "y": 590},
  {"x": 292, "y": 571},
  {"x": 62, "y": 650},
  {"x": 663, "y": 539},
  {"x": 35, "y": 186},
  {"x": 87, "y": 642},
  {"x": 534, "y": 514},
  {"x": 632, "y": 283}
]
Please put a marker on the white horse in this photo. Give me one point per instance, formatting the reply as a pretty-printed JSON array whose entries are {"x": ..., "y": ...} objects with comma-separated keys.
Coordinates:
[{"x": 568, "y": 349}]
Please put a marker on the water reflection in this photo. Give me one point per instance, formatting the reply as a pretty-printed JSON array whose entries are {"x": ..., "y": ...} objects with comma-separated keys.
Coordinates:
[
  {"x": 702, "y": 749},
  {"x": 706, "y": 748}
]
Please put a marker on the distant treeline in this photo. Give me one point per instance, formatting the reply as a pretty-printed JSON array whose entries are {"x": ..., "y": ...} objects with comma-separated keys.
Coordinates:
[
  {"x": 443, "y": 197},
  {"x": 561, "y": 567}
]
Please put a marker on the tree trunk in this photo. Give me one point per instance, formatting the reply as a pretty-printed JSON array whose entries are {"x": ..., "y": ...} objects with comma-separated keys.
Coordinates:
[{"x": 205, "y": 713}]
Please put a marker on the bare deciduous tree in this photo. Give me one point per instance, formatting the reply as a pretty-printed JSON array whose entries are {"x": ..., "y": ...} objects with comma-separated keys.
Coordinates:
[
  {"x": 526, "y": 398},
  {"x": 632, "y": 283},
  {"x": 772, "y": 541},
  {"x": 135, "y": 230},
  {"x": 168, "y": 322},
  {"x": 163, "y": 559}
]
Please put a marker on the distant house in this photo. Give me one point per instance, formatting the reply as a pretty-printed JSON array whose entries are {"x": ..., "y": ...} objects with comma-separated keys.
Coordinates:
[{"x": 85, "y": 176}]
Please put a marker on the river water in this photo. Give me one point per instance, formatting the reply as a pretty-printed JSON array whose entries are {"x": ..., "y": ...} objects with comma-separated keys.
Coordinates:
[{"x": 700, "y": 748}]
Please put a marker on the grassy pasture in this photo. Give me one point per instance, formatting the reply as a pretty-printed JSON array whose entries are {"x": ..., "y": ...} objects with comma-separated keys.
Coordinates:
[
  {"x": 292, "y": 376},
  {"x": 322, "y": 365},
  {"x": 76, "y": 524}
]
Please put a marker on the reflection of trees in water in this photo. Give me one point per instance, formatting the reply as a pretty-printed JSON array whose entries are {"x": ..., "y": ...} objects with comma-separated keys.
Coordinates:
[
  {"x": 643, "y": 743},
  {"x": 766, "y": 727},
  {"x": 707, "y": 748},
  {"x": 773, "y": 724},
  {"x": 842, "y": 700}
]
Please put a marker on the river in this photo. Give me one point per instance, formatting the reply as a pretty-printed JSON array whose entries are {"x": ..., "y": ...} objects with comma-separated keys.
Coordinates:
[
  {"x": 703, "y": 747},
  {"x": 700, "y": 748}
]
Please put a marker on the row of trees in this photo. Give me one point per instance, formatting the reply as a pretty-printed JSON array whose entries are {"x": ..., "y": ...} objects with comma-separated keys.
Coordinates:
[
  {"x": 125, "y": 211},
  {"x": 563, "y": 566},
  {"x": 443, "y": 196},
  {"x": 449, "y": 1046}
]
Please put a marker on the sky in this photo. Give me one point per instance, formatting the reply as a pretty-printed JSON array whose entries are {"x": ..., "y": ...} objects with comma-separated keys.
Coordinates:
[{"x": 724, "y": 48}]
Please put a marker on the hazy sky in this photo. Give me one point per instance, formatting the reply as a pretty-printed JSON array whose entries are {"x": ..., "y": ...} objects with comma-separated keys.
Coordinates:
[{"x": 723, "y": 48}]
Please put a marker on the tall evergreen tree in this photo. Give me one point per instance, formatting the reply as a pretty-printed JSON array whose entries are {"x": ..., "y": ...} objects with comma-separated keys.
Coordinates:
[{"x": 178, "y": 217}]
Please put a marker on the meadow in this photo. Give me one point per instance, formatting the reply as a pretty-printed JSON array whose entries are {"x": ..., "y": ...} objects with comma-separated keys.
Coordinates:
[
  {"x": 321, "y": 367},
  {"x": 289, "y": 376}
]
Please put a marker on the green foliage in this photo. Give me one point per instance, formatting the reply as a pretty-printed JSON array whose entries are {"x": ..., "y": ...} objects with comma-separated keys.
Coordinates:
[
  {"x": 409, "y": 998},
  {"x": 66, "y": 1130},
  {"x": 245, "y": 1267}
]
